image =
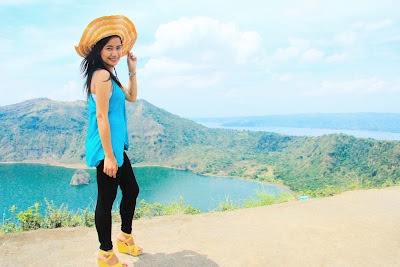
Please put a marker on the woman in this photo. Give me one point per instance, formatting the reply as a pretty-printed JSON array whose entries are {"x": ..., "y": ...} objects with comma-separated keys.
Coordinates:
[{"x": 103, "y": 43}]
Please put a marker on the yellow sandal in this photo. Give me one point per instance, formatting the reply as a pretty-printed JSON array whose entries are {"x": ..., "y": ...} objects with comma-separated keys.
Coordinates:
[
  {"x": 131, "y": 250},
  {"x": 103, "y": 263}
]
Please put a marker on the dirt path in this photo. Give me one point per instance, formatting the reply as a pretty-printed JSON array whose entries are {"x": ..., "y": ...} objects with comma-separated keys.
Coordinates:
[{"x": 358, "y": 228}]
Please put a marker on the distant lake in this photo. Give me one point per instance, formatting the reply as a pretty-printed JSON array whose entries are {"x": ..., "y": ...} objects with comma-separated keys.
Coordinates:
[
  {"x": 311, "y": 131},
  {"x": 24, "y": 184}
]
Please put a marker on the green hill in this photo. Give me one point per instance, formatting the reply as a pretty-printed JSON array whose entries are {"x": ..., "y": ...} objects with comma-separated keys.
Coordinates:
[{"x": 48, "y": 131}]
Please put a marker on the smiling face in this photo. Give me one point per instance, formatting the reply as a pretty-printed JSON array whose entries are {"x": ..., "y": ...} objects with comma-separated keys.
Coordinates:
[{"x": 111, "y": 53}]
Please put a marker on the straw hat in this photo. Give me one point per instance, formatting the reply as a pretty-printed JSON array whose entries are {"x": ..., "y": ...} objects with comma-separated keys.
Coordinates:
[{"x": 107, "y": 26}]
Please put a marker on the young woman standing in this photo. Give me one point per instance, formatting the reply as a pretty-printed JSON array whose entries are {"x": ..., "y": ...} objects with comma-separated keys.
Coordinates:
[{"x": 103, "y": 43}]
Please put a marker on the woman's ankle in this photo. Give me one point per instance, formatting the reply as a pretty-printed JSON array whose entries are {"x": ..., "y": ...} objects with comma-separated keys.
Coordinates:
[{"x": 126, "y": 233}]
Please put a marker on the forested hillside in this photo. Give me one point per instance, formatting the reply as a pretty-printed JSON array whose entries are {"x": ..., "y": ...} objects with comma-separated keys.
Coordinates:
[{"x": 48, "y": 131}]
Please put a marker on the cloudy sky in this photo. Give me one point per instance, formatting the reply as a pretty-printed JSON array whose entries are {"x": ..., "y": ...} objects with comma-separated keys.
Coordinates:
[{"x": 216, "y": 58}]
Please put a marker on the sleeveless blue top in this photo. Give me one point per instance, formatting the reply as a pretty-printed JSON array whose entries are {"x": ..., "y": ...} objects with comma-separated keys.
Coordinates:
[{"x": 118, "y": 128}]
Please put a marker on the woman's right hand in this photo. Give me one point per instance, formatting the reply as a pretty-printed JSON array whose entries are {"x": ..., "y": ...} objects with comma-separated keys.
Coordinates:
[{"x": 110, "y": 166}]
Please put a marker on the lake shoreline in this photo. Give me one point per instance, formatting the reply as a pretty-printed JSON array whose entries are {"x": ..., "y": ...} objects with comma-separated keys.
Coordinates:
[
  {"x": 65, "y": 165},
  {"x": 84, "y": 166},
  {"x": 225, "y": 176}
]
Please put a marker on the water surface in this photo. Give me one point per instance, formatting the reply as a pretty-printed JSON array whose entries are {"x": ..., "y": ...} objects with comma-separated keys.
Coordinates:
[{"x": 24, "y": 184}]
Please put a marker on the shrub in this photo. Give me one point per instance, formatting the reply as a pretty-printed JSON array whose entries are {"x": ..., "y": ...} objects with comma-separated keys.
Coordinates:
[
  {"x": 180, "y": 207},
  {"x": 10, "y": 225},
  {"x": 56, "y": 218},
  {"x": 263, "y": 198},
  {"x": 227, "y": 204},
  {"x": 30, "y": 219}
]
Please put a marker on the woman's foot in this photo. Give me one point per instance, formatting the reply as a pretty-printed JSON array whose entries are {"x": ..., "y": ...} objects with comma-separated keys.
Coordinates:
[
  {"x": 122, "y": 237},
  {"x": 112, "y": 261}
]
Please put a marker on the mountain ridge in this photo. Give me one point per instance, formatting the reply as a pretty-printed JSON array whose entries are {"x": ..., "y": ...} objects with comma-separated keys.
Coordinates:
[
  {"x": 371, "y": 121},
  {"x": 50, "y": 131}
]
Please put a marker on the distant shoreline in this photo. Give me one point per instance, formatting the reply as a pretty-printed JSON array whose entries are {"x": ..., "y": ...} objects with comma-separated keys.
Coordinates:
[
  {"x": 71, "y": 166},
  {"x": 84, "y": 166},
  {"x": 225, "y": 176}
]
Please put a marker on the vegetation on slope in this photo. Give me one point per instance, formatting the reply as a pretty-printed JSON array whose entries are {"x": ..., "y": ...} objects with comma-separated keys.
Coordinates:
[{"x": 48, "y": 131}]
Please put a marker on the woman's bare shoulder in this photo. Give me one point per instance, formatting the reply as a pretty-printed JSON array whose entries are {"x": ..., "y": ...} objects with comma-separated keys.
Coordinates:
[
  {"x": 101, "y": 75},
  {"x": 101, "y": 79}
]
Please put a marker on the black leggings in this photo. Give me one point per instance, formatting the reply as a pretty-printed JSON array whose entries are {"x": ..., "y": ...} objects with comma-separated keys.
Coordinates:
[{"x": 107, "y": 191}]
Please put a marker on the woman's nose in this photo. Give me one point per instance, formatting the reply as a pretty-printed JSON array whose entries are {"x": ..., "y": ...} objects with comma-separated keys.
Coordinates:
[{"x": 114, "y": 52}]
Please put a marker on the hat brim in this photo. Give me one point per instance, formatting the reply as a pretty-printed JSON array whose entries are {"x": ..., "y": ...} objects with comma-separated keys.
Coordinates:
[{"x": 106, "y": 26}]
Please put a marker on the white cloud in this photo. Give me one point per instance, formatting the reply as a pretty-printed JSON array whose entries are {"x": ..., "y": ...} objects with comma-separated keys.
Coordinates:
[
  {"x": 358, "y": 25},
  {"x": 168, "y": 66},
  {"x": 286, "y": 77},
  {"x": 360, "y": 32},
  {"x": 287, "y": 53},
  {"x": 35, "y": 46},
  {"x": 184, "y": 82},
  {"x": 297, "y": 46},
  {"x": 372, "y": 25},
  {"x": 208, "y": 55},
  {"x": 204, "y": 39},
  {"x": 248, "y": 45},
  {"x": 235, "y": 95},
  {"x": 6, "y": 45},
  {"x": 196, "y": 53},
  {"x": 392, "y": 39},
  {"x": 337, "y": 58},
  {"x": 70, "y": 92},
  {"x": 301, "y": 8},
  {"x": 312, "y": 55},
  {"x": 379, "y": 24},
  {"x": 346, "y": 38},
  {"x": 374, "y": 86},
  {"x": 199, "y": 59},
  {"x": 18, "y": 2},
  {"x": 299, "y": 43},
  {"x": 359, "y": 86},
  {"x": 395, "y": 86}
]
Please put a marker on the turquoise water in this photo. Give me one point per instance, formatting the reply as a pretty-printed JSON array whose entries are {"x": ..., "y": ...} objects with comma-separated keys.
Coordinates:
[{"x": 24, "y": 184}]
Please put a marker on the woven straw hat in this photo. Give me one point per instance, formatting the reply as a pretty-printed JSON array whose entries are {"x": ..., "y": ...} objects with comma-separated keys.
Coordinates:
[{"x": 107, "y": 26}]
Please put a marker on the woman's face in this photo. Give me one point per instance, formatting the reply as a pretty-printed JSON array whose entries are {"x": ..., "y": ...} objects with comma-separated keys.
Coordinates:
[{"x": 111, "y": 52}]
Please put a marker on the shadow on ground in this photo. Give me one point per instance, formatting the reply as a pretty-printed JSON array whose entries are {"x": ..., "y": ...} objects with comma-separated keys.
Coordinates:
[{"x": 182, "y": 258}]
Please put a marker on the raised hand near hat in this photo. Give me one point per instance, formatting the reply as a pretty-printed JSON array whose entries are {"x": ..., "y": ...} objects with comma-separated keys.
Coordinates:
[
  {"x": 131, "y": 91},
  {"x": 132, "y": 62}
]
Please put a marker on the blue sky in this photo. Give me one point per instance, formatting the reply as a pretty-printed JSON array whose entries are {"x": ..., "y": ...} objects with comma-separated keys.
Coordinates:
[{"x": 216, "y": 58}]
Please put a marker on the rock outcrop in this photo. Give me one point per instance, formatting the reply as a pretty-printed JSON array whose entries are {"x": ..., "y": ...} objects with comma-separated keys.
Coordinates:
[{"x": 80, "y": 177}]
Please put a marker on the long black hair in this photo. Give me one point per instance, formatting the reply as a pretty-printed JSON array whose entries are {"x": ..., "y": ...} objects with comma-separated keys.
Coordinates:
[{"x": 93, "y": 61}]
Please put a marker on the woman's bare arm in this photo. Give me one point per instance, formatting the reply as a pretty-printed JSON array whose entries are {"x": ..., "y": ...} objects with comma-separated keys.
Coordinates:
[{"x": 131, "y": 91}]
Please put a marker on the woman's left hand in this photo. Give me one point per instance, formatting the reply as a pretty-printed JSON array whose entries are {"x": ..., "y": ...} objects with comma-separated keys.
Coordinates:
[{"x": 132, "y": 61}]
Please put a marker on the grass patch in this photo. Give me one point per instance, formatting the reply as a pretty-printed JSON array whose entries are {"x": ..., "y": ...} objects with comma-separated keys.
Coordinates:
[
  {"x": 227, "y": 204},
  {"x": 56, "y": 217},
  {"x": 259, "y": 198}
]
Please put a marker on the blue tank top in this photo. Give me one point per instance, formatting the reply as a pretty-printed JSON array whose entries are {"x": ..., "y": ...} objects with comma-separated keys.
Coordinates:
[{"x": 118, "y": 128}]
